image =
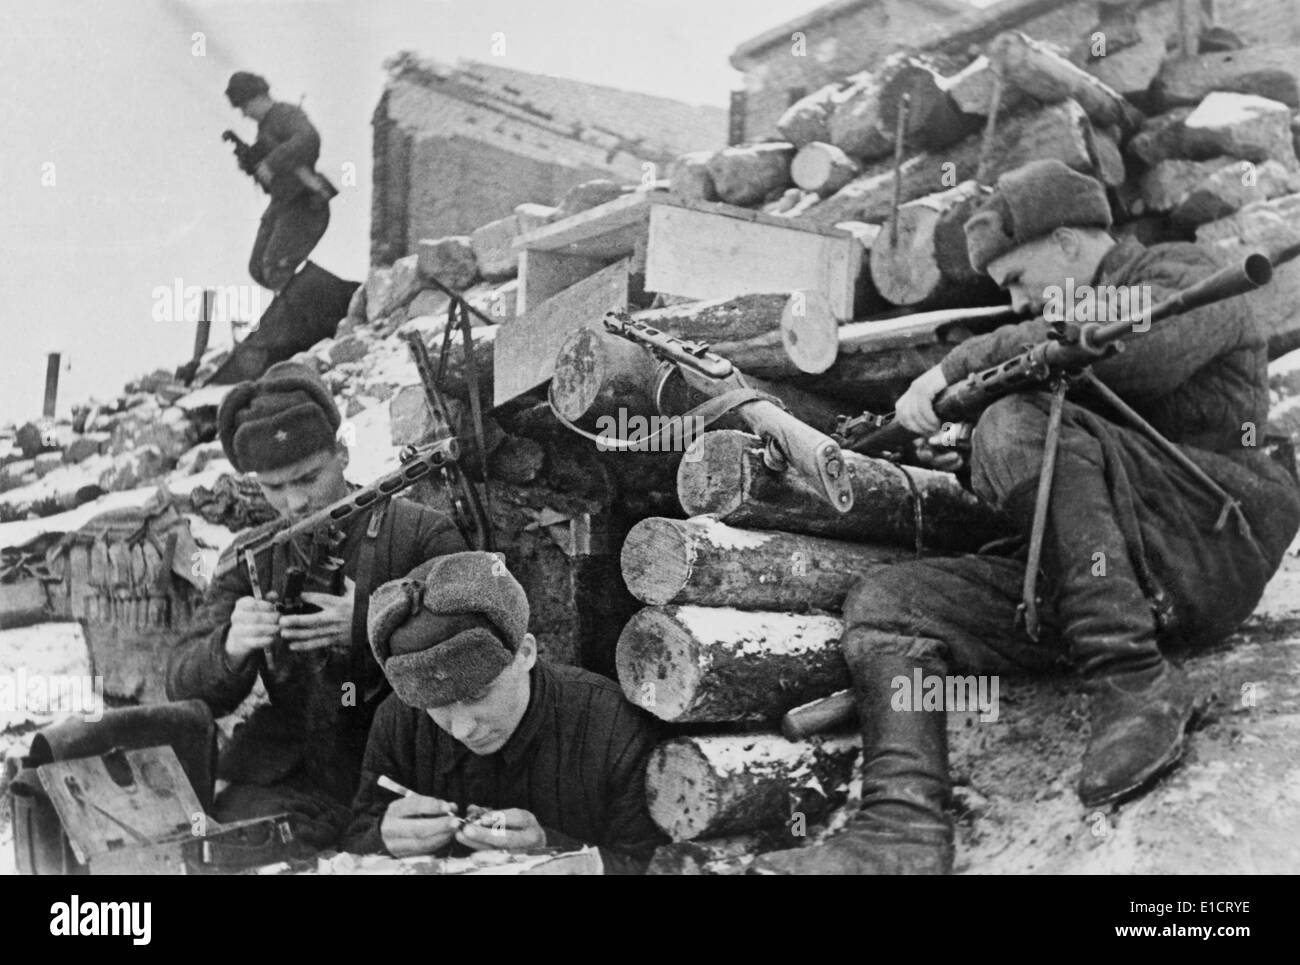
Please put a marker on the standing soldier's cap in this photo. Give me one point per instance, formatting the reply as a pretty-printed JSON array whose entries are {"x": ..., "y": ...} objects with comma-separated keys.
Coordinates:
[
  {"x": 284, "y": 416},
  {"x": 448, "y": 629},
  {"x": 243, "y": 87},
  {"x": 1030, "y": 202}
]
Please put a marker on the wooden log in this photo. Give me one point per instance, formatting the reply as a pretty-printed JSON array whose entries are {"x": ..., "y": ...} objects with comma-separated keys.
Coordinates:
[
  {"x": 1230, "y": 189},
  {"x": 699, "y": 786},
  {"x": 1194, "y": 192},
  {"x": 874, "y": 380},
  {"x": 1129, "y": 69},
  {"x": 1057, "y": 131},
  {"x": 704, "y": 562},
  {"x": 908, "y": 271},
  {"x": 774, "y": 334},
  {"x": 1050, "y": 78},
  {"x": 689, "y": 177},
  {"x": 747, "y": 175},
  {"x": 729, "y": 855},
  {"x": 1161, "y": 138},
  {"x": 1240, "y": 125},
  {"x": 597, "y": 374},
  {"x": 808, "y": 119},
  {"x": 693, "y": 663},
  {"x": 971, "y": 89},
  {"x": 855, "y": 125},
  {"x": 1107, "y": 158},
  {"x": 879, "y": 358},
  {"x": 1271, "y": 71},
  {"x": 723, "y": 474},
  {"x": 819, "y": 716},
  {"x": 595, "y": 377},
  {"x": 1272, "y": 227},
  {"x": 823, "y": 168},
  {"x": 933, "y": 118}
]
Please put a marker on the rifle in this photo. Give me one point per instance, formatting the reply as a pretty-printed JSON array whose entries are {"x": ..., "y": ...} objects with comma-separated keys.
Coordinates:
[
  {"x": 313, "y": 181},
  {"x": 789, "y": 442},
  {"x": 467, "y": 509},
  {"x": 1069, "y": 350},
  {"x": 303, "y": 556}
]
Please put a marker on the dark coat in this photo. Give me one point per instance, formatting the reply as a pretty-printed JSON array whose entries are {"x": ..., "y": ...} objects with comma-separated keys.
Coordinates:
[
  {"x": 1200, "y": 378},
  {"x": 576, "y": 761},
  {"x": 286, "y": 140},
  {"x": 308, "y": 722}
]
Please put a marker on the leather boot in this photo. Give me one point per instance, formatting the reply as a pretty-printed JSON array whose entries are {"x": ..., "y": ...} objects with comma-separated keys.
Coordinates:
[
  {"x": 1140, "y": 704},
  {"x": 902, "y": 827}
]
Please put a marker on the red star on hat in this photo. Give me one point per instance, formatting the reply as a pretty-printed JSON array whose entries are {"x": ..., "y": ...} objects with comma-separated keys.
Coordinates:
[{"x": 282, "y": 436}]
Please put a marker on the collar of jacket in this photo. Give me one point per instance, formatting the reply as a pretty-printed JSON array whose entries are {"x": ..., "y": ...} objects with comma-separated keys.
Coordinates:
[
  {"x": 1116, "y": 261},
  {"x": 540, "y": 697}
]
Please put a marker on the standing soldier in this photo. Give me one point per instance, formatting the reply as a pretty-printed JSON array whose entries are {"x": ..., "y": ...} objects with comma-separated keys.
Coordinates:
[
  {"x": 1140, "y": 557},
  {"x": 281, "y": 160}
]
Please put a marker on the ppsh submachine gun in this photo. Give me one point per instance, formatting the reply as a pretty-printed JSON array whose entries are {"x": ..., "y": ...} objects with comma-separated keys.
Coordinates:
[
  {"x": 305, "y": 555},
  {"x": 313, "y": 181},
  {"x": 788, "y": 442},
  {"x": 1070, "y": 349}
]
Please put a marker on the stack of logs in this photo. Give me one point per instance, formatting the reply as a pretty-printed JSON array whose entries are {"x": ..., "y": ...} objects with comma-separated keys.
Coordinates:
[{"x": 742, "y": 624}]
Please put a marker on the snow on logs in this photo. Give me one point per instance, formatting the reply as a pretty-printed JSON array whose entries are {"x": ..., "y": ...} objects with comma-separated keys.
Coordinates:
[
  {"x": 771, "y": 334},
  {"x": 688, "y": 664},
  {"x": 746, "y": 175},
  {"x": 702, "y": 561},
  {"x": 698, "y": 786}
]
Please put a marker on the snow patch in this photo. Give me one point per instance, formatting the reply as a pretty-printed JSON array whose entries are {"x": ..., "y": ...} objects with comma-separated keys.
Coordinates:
[{"x": 747, "y": 633}]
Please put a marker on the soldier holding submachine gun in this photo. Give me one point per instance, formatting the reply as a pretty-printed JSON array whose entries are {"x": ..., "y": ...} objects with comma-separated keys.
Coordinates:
[{"x": 288, "y": 602}]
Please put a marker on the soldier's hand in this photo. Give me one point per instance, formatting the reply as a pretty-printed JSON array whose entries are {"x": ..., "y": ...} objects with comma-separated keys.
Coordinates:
[
  {"x": 332, "y": 626},
  {"x": 915, "y": 408},
  {"x": 253, "y": 626},
  {"x": 511, "y": 829},
  {"x": 938, "y": 452},
  {"x": 264, "y": 173},
  {"x": 417, "y": 824}
]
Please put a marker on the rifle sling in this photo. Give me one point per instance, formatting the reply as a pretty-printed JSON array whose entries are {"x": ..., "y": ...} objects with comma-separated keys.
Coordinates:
[
  {"x": 1028, "y": 609},
  {"x": 708, "y": 412},
  {"x": 361, "y": 598}
]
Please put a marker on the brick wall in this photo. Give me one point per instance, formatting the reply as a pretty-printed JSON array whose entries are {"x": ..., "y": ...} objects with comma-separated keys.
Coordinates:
[
  {"x": 458, "y": 184},
  {"x": 445, "y": 166}
]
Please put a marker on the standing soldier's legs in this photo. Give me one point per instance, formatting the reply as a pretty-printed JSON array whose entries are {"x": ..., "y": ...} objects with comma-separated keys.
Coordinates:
[
  {"x": 295, "y": 230},
  {"x": 264, "y": 229}
]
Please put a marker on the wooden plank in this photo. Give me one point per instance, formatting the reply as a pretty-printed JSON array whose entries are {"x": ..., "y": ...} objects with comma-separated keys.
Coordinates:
[
  {"x": 526, "y": 348},
  {"x": 753, "y": 215},
  {"x": 543, "y": 274},
  {"x": 585, "y": 233},
  {"x": 701, "y": 255}
]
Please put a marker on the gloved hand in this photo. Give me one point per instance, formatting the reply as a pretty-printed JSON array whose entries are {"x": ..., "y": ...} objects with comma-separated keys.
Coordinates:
[{"x": 318, "y": 822}]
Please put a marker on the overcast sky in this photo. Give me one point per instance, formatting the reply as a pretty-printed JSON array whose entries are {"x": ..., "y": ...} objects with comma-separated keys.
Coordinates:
[{"x": 113, "y": 180}]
